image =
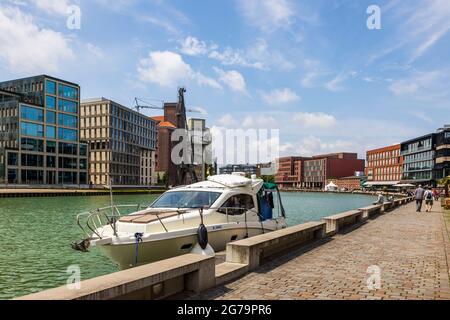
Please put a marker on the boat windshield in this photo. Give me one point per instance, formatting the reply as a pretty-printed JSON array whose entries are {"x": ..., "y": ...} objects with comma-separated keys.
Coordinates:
[{"x": 186, "y": 199}]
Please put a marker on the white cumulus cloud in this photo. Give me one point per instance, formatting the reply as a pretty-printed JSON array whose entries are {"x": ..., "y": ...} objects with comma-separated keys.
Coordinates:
[
  {"x": 314, "y": 120},
  {"x": 232, "y": 79},
  {"x": 20, "y": 36}
]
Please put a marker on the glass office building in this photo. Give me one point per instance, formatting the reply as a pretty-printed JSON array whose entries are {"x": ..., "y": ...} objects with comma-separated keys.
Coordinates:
[
  {"x": 419, "y": 160},
  {"x": 442, "y": 166},
  {"x": 39, "y": 133},
  {"x": 122, "y": 143}
]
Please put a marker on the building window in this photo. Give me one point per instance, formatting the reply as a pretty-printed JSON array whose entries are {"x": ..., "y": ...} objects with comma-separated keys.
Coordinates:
[
  {"x": 67, "y": 106},
  {"x": 30, "y": 113},
  {"x": 50, "y": 132},
  {"x": 83, "y": 164},
  {"x": 68, "y": 148},
  {"x": 13, "y": 159},
  {"x": 68, "y": 163},
  {"x": 51, "y": 87},
  {"x": 67, "y": 134},
  {"x": 67, "y": 92},
  {"x": 51, "y": 147},
  {"x": 67, "y": 121},
  {"x": 51, "y": 161},
  {"x": 50, "y": 102},
  {"x": 32, "y": 177},
  {"x": 67, "y": 177},
  {"x": 28, "y": 144},
  {"x": 32, "y": 160},
  {"x": 83, "y": 150},
  {"x": 12, "y": 176},
  {"x": 51, "y": 117},
  {"x": 31, "y": 129},
  {"x": 83, "y": 178}
]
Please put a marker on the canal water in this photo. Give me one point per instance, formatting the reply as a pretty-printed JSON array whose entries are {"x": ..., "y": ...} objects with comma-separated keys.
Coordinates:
[{"x": 35, "y": 235}]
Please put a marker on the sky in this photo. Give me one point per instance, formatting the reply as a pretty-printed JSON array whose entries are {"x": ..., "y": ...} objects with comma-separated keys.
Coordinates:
[{"x": 311, "y": 69}]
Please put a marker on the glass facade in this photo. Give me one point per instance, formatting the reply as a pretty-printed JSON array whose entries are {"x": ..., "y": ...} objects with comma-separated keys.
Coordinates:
[
  {"x": 65, "y": 91},
  {"x": 46, "y": 111},
  {"x": 51, "y": 117},
  {"x": 50, "y": 87},
  {"x": 67, "y": 134},
  {"x": 50, "y": 132},
  {"x": 31, "y": 113},
  {"x": 67, "y": 106},
  {"x": 50, "y": 102},
  {"x": 31, "y": 129},
  {"x": 66, "y": 120}
]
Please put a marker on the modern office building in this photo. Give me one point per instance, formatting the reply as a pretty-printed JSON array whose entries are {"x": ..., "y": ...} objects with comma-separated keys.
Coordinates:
[
  {"x": 419, "y": 160},
  {"x": 39, "y": 133},
  {"x": 442, "y": 165},
  {"x": 384, "y": 166},
  {"x": 122, "y": 143},
  {"x": 319, "y": 169}
]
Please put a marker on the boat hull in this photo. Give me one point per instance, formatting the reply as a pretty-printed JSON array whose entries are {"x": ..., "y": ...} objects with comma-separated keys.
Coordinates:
[{"x": 154, "y": 250}]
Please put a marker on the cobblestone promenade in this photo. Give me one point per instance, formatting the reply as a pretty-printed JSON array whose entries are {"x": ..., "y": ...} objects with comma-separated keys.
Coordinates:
[{"x": 410, "y": 249}]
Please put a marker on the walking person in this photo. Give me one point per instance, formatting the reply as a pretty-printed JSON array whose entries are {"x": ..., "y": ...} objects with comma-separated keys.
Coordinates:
[
  {"x": 418, "y": 194},
  {"x": 428, "y": 199}
]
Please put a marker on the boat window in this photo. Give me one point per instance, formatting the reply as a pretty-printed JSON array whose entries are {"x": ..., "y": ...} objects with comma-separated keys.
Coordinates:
[
  {"x": 186, "y": 199},
  {"x": 237, "y": 205}
]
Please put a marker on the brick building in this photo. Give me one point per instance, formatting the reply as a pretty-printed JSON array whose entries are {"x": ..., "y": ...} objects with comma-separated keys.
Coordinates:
[
  {"x": 289, "y": 174},
  {"x": 348, "y": 183},
  {"x": 384, "y": 166},
  {"x": 319, "y": 169}
]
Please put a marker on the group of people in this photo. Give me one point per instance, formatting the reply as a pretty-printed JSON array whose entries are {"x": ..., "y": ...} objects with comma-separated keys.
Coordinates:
[{"x": 427, "y": 194}]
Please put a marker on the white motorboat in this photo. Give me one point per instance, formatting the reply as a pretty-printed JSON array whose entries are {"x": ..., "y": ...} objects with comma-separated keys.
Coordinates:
[{"x": 194, "y": 218}]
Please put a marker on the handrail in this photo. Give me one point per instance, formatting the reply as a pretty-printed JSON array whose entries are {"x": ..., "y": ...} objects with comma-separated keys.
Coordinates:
[{"x": 91, "y": 216}]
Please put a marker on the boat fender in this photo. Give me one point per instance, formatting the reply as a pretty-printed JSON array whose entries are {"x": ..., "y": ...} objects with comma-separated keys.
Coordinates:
[{"x": 202, "y": 236}]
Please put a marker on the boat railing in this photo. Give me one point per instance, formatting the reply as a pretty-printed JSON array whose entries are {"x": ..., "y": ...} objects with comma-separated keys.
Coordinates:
[{"x": 93, "y": 220}]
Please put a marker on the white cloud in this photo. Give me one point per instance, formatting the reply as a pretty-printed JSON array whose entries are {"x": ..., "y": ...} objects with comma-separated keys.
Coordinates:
[
  {"x": 28, "y": 48},
  {"x": 314, "y": 120},
  {"x": 168, "y": 69},
  {"x": 232, "y": 79},
  {"x": 419, "y": 82},
  {"x": 53, "y": 6},
  {"x": 280, "y": 96},
  {"x": 95, "y": 51},
  {"x": 313, "y": 145},
  {"x": 268, "y": 15},
  {"x": 257, "y": 56},
  {"x": 191, "y": 46}
]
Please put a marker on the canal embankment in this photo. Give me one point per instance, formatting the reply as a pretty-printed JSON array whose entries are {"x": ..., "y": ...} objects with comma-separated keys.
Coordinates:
[
  {"x": 196, "y": 273},
  {"x": 28, "y": 193}
]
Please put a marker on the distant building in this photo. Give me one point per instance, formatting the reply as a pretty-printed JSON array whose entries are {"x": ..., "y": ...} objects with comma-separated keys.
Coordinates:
[
  {"x": 319, "y": 169},
  {"x": 246, "y": 168},
  {"x": 442, "y": 166},
  {"x": 39, "y": 133},
  {"x": 348, "y": 183},
  {"x": 384, "y": 166},
  {"x": 419, "y": 160},
  {"x": 290, "y": 172},
  {"x": 122, "y": 143},
  {"x": 166, "y": 124}
]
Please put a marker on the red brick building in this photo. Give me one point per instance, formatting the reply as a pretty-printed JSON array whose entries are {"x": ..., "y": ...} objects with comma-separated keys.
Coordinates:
[
  {"x": 384, "y": 166},
  {"x": 318, "y": 170},
  {"x": 289, "y": 174},
  {"x": 348, "y": 183},
  {"x": 165, "y": 127}
]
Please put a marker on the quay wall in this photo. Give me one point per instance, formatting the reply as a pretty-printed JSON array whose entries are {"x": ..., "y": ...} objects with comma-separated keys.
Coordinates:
[
  {"x": 196, "y": 273},
  {"x": 28, "y": 193}
]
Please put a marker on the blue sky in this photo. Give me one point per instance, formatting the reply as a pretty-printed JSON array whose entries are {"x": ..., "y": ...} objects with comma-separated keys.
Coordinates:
[{"x": 311, "y": 69}]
